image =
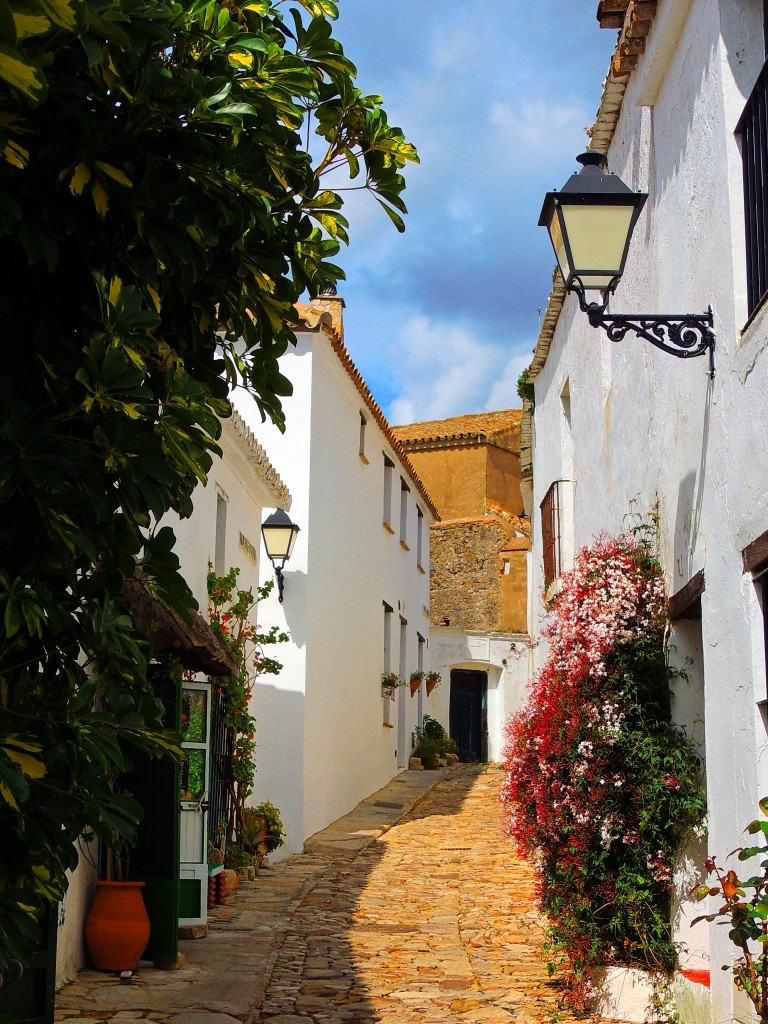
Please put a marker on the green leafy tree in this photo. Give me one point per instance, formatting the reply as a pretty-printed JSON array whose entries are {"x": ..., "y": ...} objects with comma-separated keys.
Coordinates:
[{"x": 160, "y": 213}]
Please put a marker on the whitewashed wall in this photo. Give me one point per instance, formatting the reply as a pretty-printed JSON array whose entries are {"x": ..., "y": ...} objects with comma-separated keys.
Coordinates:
[
  {"x": 344, "y": 567},
  {"x": 238, "y": 479},
  {"x": 647, "y": 427}
]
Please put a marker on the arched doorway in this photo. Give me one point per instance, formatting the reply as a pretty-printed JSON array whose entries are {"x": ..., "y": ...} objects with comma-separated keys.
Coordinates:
[{"x": 469, "y": 713}]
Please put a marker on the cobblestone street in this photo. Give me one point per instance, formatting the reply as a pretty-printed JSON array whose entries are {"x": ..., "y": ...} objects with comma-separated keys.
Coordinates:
[{"x": 430, "y": 921}]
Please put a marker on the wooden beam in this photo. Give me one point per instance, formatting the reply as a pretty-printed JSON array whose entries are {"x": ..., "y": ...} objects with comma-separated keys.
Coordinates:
[
  {"x": 686, "y": 603},
  {"x": 197, "y": 646},
  {"x": 755, "y": 555}
]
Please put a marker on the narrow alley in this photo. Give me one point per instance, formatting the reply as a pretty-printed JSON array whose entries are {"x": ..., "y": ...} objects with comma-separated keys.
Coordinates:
[{"x": 430, "y": 919}]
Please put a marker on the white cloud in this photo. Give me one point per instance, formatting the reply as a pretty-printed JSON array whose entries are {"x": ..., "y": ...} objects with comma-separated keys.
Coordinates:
[
  {"x": 503, "y": 393},
  {"x": 447, "y": 370},
  {"x": 545, "y": 130}
]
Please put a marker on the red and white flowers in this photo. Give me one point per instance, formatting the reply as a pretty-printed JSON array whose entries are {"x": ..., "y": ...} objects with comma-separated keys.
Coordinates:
[{"x": 600, "y": 788}]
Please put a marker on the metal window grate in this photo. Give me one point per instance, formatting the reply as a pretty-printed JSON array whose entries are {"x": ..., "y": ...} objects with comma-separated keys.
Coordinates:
[
  {"x": 753, "y": 129},
  {"x": 222, "y": 745},
  {"x": 551, "y": 532}
]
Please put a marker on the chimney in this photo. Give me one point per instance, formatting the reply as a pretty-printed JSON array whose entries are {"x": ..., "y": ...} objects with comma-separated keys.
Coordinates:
[{"x": 331, "y": 303}]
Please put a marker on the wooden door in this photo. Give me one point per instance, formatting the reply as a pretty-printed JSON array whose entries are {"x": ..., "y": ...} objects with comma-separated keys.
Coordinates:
[{"x": 468, "y": 713}]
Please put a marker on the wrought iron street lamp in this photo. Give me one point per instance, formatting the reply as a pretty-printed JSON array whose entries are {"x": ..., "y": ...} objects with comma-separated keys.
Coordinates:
[
  {"x": 590, "y": 223},
  {"x": 279, "y": 535}
]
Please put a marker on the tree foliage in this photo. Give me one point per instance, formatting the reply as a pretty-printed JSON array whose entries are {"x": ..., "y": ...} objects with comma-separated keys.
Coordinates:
[{"x": 160, "y": 213}]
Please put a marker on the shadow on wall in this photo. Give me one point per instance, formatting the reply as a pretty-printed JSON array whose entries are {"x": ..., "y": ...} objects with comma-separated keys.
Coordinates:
[
  {"x": 689, "y": 501},
  {"x": 295, "y": 608},
  {"x": 279, "y": 777},
  {"x": 684, "y": 538}
]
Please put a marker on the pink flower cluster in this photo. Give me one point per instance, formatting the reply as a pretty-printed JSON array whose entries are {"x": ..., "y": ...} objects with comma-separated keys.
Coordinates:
[{"x": 604, "y": 601}]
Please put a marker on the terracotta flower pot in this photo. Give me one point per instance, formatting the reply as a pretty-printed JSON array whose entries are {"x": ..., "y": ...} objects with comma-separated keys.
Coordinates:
[
  {"x": 117, "y": 926},
  {"x": 414, "y": 684},
  {"x": 431, "y": 684}
]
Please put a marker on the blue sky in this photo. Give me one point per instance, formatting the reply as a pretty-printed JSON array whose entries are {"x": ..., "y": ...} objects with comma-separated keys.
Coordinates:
[{"x": 496, "y": 96}]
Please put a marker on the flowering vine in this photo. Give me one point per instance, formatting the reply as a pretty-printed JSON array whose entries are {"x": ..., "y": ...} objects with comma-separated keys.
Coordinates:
[
  {"x": 601, "y": 790},
  {"x": 229, "y": 609}
]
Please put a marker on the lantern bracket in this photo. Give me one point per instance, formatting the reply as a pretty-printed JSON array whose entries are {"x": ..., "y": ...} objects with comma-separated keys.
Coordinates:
[
  {"x": 684, "y": 335},
  {"x": 280, "y": 582}
]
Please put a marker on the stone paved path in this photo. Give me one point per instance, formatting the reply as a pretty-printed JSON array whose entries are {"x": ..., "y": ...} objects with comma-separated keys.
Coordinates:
[{"x": 428, "y": 921}]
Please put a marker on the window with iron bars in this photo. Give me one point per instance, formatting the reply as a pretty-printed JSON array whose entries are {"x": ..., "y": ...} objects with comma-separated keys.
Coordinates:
[
  {"x": 752, "y": 130},
  {"x": 552, "y": 532}
]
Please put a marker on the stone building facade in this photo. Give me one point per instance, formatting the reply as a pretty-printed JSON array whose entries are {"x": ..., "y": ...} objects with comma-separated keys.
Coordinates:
[
  {"x": 478, "y": 570},
  {"x": 471, "y": 466}
]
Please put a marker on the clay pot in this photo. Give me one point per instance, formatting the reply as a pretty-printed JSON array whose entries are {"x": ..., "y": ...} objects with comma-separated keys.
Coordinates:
[
  {"x": 117, "y": 926},
  {"x": 414, "y": 684},
  {"x": 431, "y": 684}
]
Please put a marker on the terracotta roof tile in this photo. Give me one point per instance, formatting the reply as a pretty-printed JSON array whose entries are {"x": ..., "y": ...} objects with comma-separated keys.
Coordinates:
[
  {"x": 519, "y": 524},
  {"x": 480, "y": 426}
]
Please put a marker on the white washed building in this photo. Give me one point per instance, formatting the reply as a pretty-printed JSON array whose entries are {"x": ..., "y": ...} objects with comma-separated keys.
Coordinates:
[
  {"x": 356, "y": 590},
  {"x": 225, "y": 527},
  {"x": 623, "y": 427}
]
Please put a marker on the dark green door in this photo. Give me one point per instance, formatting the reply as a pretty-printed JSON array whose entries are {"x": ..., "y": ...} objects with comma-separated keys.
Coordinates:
[
  {"x": 468, "y": 713},
  {"x": 155, "y": 783},
  {"x": 30, "y": 999}
]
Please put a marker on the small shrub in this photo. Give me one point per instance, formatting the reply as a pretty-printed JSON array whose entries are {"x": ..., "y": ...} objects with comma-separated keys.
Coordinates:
[
  {"x": 428, "y": 750},
  {"x": 524, "y": 386}
]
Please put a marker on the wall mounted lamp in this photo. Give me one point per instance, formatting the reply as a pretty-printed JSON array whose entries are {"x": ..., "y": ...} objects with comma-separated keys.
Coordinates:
[
  {"x": 279, "y": 535},
  {"x": 590, "y": 224}
]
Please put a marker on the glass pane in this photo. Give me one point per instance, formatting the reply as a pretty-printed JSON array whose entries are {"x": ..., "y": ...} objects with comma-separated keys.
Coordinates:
[
  {"x": 558, "y": 244},
  {"x": 598, "y": 236},
  {"x": 193, "y": 775},
  {"x": 194, "y": 715}
]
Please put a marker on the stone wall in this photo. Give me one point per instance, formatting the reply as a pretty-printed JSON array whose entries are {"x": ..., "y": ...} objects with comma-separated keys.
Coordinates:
[{"x": 466, "y": 573}]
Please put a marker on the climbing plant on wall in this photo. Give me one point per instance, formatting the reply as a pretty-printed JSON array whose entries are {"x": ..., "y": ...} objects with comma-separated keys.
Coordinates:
[
  {"x": 602, "y": 790},
  {"x": 230, "y": 611}
]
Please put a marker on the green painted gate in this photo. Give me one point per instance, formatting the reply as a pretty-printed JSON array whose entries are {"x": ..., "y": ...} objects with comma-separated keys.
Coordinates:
[{"x": 30, "y": 999}]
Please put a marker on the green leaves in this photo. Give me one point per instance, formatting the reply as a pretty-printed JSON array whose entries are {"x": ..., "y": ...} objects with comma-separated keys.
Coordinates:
[
  {"x": 22, "y": 62},
  {"x": 160, "y": 215}
]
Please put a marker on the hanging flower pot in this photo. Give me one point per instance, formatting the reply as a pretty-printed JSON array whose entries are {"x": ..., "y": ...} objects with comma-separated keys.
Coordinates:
[
  {"x": 415, "y": 681},
  {"x": 117, "y": 926},
  {"x": 433, "y": 678},
  {"x": 390, "y": 681}
]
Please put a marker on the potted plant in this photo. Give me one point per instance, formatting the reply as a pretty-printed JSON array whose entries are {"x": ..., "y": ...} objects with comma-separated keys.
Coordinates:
[
  {"x": 255, "y": 829},
  {"x": 435, "y": 733},
  {"x": 274, "y": 824},
  {"x": 433, "y": 678},
  {"x": 117, "y": 925},
  {"x": 415, "y": 681},
  {"x": 389, "y": 683}
]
